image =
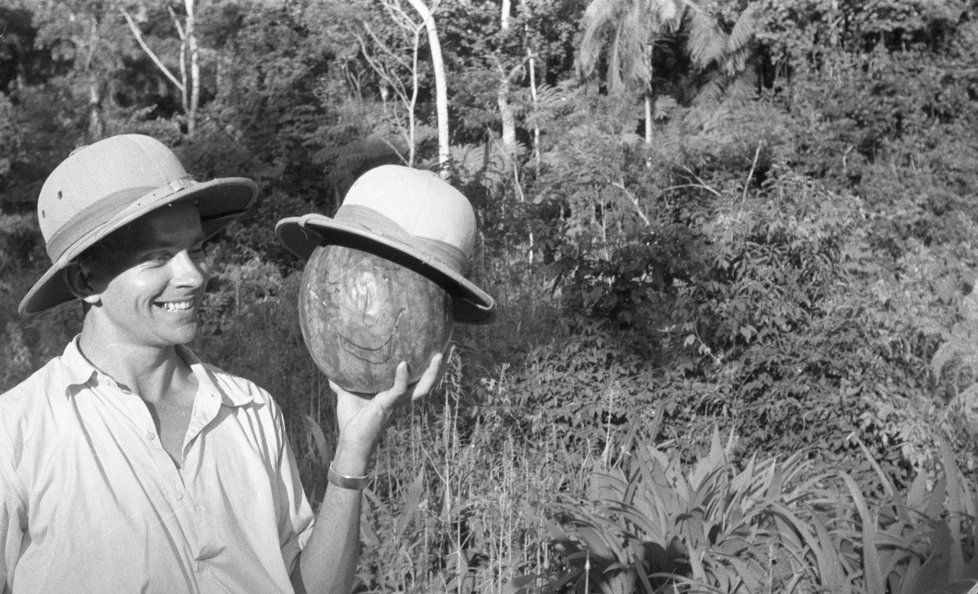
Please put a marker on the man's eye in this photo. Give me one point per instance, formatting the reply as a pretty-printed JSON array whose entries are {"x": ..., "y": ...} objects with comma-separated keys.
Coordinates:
[{"x": 158, "y": 257}]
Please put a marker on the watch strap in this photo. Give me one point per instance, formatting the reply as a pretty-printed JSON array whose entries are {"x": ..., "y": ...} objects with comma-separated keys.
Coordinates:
[{"x": 344, "y": 481}]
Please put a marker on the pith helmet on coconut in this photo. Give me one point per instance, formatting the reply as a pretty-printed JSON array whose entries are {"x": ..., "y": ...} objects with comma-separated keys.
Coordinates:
[
  {"x": 410, "y": 217},
  {"x": 103, "y": 186}
]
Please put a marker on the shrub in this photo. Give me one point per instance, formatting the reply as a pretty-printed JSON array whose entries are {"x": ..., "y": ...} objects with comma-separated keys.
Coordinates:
[{"x": 649, "y": 523}]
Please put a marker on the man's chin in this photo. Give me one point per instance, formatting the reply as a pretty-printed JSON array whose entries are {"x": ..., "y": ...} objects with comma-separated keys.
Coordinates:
[{"x": 182, "y": 336}]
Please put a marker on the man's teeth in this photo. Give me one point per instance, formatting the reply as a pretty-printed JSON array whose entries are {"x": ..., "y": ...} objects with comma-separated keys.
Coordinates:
[{"x": 178, "y": 305}]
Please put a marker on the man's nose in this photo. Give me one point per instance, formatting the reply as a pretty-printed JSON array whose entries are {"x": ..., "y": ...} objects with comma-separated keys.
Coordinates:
[{"x": 188, "y": 271}]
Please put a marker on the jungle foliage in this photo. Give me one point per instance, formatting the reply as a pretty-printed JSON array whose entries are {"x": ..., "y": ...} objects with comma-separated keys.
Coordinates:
[{"x": 732, "y": 243}]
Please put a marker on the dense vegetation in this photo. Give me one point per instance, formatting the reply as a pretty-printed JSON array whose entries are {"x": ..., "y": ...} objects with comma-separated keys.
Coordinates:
[{"x": 731, "y": 241}]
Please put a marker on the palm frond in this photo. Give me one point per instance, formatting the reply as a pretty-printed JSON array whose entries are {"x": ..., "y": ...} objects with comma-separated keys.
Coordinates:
[
  {"x": 600, "y": 20},
  {"x": 601, "y": 12},
  {"x": 664, "y": 105},
  {"x": 711, "y": 92},
  {"x": 632, "y": 47},
  {"x": 742, "y": 88},
  {"x": 743, "y": 30},
  {"x": 598, "y": 17},
  {"x": 670, "y": 14},
  {"x": 551, "y": 97},
  {"x": 621, "y": 31},
  {"x": 706, "y": 40}
]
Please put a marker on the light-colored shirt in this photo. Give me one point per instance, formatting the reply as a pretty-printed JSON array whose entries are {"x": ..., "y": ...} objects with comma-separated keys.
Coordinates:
[{"x": 91, "y": 502}]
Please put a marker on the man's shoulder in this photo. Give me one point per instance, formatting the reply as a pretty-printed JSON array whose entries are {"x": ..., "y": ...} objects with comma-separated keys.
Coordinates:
[
  {"x": 42, "y": 392},
  {"x": 42, "y": 384}
]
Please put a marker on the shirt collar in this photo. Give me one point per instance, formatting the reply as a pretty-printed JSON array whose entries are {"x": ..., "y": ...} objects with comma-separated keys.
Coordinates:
[
  {"x": 207, "y": 383},
  {"x": 81, "y": 371}
]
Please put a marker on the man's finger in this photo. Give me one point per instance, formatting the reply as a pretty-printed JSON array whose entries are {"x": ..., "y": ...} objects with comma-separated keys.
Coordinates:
[
  {"x": 389, "y": 398},
  {"x": 430, "y": 377}
]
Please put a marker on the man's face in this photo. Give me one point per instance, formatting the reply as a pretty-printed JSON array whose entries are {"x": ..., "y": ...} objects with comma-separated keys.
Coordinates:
[{"x": 148, "y": 291}]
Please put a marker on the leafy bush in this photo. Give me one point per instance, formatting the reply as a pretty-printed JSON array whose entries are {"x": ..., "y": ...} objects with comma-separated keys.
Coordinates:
[{"x": 649, "y": 523}]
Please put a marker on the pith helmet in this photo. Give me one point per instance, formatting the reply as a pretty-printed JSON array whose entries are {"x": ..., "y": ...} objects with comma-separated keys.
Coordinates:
[
  {"x": 410, "y": 217},
  {"x": 108, "y": 184}
]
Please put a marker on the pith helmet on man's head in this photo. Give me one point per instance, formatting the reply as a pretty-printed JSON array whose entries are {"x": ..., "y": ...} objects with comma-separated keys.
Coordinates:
[{"x": 104, "y": 186}]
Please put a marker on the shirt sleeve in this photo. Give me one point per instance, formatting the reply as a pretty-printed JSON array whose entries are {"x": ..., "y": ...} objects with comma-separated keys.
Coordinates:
[
  {"x": 296, "y": 523},
  {"x": 13, "y": 518}
]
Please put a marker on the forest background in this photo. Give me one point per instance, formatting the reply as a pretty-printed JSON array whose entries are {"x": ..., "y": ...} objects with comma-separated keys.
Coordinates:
[{"x": 732, "y": 243}]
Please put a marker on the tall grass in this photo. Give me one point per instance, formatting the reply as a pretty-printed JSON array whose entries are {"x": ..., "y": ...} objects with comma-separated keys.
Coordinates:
[{"x": 459, "y": 500}]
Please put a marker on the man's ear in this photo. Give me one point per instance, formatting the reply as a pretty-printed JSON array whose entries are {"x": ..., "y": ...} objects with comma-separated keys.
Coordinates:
[{"x": 79, "y": 282}]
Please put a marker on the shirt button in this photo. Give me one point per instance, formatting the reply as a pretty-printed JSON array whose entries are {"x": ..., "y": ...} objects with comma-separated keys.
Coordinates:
[
  {"x": 179, "y": 496},
  {"x": 150, "y": 436},
  {"x": 201, "y": 565}
]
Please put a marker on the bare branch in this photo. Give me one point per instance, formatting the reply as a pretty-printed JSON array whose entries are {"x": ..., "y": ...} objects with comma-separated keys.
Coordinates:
[
  {"x": 621, "y": 186},
  {"x": 185, "y": 95},
  {"x": 441, "y": 85},
  {"x": 386, "y": 50},
  {"x": 750, "y": 174},
  {"x": 702, "y": 185},
  {"x": 382, "y": 70},
  {"x": 408, "y": 100},
  {"x": 395, "y": 150},
  {"x": 92, "y": 44},
  {"x": 399, "y": 15},
  {"x": 149, "y": 52},
  {"x": 176, "y": 23}
]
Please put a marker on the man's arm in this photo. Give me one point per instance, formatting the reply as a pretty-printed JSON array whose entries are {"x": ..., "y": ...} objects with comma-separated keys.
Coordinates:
[
  {"x": 328, "y": 562},
  {"x": 11, "y": 512},
  {"x": 11, "y": 535}
]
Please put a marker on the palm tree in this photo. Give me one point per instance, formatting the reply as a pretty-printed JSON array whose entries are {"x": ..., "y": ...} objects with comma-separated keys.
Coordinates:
[
  {"x": 726, "y": 54},
  {"x": 626, "y": 31}
]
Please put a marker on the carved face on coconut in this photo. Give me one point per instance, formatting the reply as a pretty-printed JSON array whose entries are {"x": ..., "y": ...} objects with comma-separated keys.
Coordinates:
[{"x": 361, "y": 315}]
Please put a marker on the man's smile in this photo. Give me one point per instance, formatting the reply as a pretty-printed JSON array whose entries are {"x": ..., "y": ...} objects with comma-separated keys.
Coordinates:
[{"x": 176, "y": 305}]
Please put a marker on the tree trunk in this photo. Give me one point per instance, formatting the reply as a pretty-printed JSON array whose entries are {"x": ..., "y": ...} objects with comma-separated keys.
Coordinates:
[
  {"x": 194, "y": 68},
  {"x": 506, "y": 119},
  {"x": 531, "y": 60},
  {"x": 182, "y": 62},
  {"x": 441, "y": 88},
  {"x": 221, "y": 75},
  {"x": 648, "y": 118},
  {"x": 412, "y": 103},
  {"x": 649, "y": 98},
  {"x": 96, "y": 87},
  {"x": 96, "y": 123}
]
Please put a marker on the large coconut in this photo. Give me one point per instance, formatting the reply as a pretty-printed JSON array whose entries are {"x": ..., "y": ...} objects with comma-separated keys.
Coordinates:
[{"x": 361, "y": 315}]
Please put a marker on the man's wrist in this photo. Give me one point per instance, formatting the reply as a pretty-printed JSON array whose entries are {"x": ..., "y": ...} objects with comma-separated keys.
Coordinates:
[
  {"x": 346, "y": 481},
  {"x": 350, "y": 459}
]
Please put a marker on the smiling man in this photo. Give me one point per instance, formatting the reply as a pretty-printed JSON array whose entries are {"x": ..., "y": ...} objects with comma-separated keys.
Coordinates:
[{"x": 127, "y": 464}]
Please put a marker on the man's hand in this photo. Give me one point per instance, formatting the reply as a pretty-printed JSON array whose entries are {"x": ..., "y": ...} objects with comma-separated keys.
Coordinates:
[{"x": 362, "y": 420}]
